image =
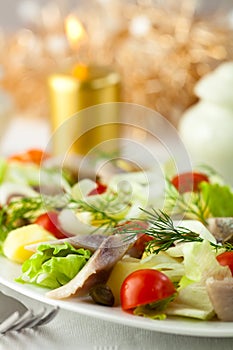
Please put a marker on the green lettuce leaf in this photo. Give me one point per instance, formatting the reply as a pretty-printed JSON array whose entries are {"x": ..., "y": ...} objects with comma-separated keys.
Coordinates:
[
  {"x": 192, "y": 301},
  {"x": 53, "y": 265},
  {"x": 199, "y": 263},
  {"x": 172, "y": 267},
  {"x": 219, "y": 199},
  {"x": 154, "y": 310}
]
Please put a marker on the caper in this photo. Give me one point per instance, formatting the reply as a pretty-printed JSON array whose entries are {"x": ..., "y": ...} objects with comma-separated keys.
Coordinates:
[{"x": 102, "y": 294}]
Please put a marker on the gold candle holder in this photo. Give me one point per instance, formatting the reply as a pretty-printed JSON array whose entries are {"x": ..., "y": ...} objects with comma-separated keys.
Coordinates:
[{"x": 73, "y": 92}]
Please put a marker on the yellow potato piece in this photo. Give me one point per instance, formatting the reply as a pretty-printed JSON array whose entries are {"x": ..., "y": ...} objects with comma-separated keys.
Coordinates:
[
  {"x": 120, "y": 271},
  {"x": 127, "y": 265},
  {"x": 13, "y": 247}
]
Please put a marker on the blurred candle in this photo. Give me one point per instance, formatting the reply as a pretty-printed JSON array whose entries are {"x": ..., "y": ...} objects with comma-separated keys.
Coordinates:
[{"x": 72, "y": 92}]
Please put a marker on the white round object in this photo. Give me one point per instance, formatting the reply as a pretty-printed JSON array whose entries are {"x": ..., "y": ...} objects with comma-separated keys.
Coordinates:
[
  {"x": 207, "y": 132},
  {"x": 217, "y": 86}
]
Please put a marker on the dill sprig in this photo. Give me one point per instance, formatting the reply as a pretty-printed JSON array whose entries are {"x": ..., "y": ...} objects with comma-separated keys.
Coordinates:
[
  {"x": 165, "y": 234},
  {"x": 190, "y": 205},
  {"x": 227, "y": 246},
  {"x": 24, "y": 210},
  {"x": 106, "y": 211}
]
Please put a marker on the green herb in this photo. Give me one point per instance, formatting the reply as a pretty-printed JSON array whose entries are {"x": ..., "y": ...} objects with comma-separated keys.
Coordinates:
[
  {"x": 192, "y": 204},
  {"x": 227, "y": 246},
  {"x": 25, "y": 210},
  {"x": 106, "y": 211},
  {"x": 164, "y": 233}
]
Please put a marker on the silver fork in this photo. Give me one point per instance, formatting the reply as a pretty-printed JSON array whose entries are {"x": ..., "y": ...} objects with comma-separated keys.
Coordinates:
[{"x": 21, "y": 317}]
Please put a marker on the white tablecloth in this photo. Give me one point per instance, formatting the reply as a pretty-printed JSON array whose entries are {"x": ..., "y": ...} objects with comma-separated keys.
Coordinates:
[{"x": 70, "y": 330}]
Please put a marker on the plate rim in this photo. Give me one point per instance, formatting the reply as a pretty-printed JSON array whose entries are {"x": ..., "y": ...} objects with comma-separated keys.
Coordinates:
[{"x": 172, "y": 325}]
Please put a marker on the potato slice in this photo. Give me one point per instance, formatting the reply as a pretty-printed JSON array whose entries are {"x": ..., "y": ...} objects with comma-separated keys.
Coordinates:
[{"x": 14, "y": 245}]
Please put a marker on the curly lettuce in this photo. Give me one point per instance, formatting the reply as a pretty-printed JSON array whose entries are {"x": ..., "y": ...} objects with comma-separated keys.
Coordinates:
[
  {"x": 199, "y": 264},
  {"x": 53, "y": 265}
]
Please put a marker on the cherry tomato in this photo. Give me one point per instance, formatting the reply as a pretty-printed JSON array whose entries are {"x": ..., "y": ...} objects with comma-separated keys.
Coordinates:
[
  {"x": 49, "y": 221},
  {"x": 35, "y": 156},
  {"x": 141, "y": 243},
  {"x": 187, "y": 182},
  {"x": 142, "y": 238},
  {"x": 226, "y": 259},
  {"x": 145, "y": 286},
  {"x": 98, "y": 190},
  {"x": 135, "y": 225}
]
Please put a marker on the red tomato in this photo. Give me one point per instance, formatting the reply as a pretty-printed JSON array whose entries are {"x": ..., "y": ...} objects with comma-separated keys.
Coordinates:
[
  {"x": 226, "y": 259},
  {"x": 141, "y": 243},
  {"x": 135, "y": 225},
  {"x": 142, "y": 238},
  {"x": 50, "y": 223},
  {"x": 187, "y": 182},
  {"x": 31, "y": 156},
  {"x": 145, "y": 286},
  {"x": 98, "y": 190}
]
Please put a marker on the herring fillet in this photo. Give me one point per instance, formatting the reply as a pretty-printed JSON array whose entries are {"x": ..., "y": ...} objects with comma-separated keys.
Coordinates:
[
  {"x": 221, "y": 296},
  {"x": 91, "y": 242},
  {"x": 97, "y": 269},
  {"x": 221, "y": 228}
]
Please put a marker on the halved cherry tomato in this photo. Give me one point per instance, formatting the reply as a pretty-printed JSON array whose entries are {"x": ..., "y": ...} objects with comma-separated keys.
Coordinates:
[
  {"x": 145, "y": 286},
  {"x": 35, "y": 156},
  {"x": 141, "y": 243},
  {"x": 226, "y": 259},
  {"x": 187, "y": 182},
  {"x": 142, "y": 238},
  {"x": 101, "y": 188},
  {"x": 49, "y": 221}
]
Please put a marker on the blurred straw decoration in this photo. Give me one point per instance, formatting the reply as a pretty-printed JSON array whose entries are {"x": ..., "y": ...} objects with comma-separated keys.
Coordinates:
[{"x": 160, "y": 48}]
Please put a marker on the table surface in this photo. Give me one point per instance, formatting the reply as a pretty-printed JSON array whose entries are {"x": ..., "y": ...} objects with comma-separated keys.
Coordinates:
[{"x": 70, "y": 330}]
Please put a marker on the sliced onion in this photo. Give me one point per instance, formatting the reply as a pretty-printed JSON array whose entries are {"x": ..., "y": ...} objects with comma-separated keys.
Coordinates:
[
  {"x": 71, "y": 224},
  {"x": 10, "y": 190}
]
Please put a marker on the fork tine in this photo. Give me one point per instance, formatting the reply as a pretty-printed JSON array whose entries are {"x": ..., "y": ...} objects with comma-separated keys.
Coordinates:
[
  {"x": 23, "y": 321},
  {"x": 47, "y": 318},
  {"x": 27, "y": 320},
  {"x": 9, "y": 322},
  {"x": 35, "y": 319}
]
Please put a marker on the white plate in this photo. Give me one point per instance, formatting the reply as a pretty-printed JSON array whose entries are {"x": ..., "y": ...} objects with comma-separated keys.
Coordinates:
[{"x": 9, "y": 271}]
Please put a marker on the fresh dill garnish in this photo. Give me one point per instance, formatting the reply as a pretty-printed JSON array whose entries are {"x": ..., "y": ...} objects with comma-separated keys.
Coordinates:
[
  {"x": 22, "y": 211},
  {"x": 191, "y": 205},
  {"x": 227, "y": 246},
  {"x": 165, "y": 234},
  {"x": 106, "y": 211}
]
